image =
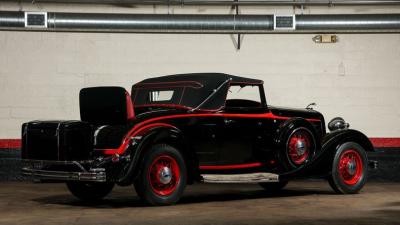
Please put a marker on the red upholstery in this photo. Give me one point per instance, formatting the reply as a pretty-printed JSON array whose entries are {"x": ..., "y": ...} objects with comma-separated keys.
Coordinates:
[{"x": 129, "y": 107}]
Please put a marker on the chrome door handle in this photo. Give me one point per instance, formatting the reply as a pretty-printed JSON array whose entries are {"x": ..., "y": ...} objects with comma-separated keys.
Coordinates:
[{"x": 228, "y": 121}]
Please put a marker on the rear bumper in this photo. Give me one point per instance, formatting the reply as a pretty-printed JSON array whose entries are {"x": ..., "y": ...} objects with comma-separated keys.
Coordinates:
[{"x": 45, "y": 171}]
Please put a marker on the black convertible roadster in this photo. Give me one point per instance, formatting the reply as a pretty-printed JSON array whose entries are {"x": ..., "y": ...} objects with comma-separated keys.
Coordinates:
[{"x": 181, "y": 129}]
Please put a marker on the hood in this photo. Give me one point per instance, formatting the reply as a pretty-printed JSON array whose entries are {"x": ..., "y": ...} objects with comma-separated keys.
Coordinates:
[{"x": 292, "y": 112}]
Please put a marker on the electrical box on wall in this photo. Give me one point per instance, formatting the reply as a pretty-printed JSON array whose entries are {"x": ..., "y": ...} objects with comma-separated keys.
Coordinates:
[
  {"x": 325, "y": 38},
  {"x": 284, "y": 22},
  {"x": 36, "y": 19}
]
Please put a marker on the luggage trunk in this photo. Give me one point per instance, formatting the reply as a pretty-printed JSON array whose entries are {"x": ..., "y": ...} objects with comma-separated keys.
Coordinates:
[{"x": 57, "y": 140}]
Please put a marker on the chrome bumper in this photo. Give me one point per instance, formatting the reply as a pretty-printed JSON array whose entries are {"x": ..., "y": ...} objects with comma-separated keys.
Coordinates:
[{"x": 36, "y": 170}]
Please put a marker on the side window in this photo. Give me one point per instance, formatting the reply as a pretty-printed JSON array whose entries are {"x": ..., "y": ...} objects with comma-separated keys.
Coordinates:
[
  {"x": 243, "y": 96},
  {"x": 160, "y": 96}
]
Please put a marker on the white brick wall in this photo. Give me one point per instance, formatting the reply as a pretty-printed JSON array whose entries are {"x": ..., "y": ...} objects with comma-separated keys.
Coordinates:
[{"x": 357, "y": 78}]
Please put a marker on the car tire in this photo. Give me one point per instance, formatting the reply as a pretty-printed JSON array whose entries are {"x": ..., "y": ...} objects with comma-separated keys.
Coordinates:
[
  {"x": 162, "y": 177},
  {"x": 90, "y": 191},
  {"x": 293, "y": 155},
  {"x": 274, "y": 186},
  {"x": 349, "y": 169}
]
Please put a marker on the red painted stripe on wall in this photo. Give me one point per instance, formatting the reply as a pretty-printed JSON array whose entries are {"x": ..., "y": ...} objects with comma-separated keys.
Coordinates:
[
  {"x": 10, "y": 143},
  {"x": 385, "y": 142},
  {"x": 377, "y": 142}
]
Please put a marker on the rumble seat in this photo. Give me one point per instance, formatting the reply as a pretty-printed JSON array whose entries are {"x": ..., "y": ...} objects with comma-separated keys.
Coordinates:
[
  {"x": 110, "y": 111},
  {"x": 105, "y": 106}
]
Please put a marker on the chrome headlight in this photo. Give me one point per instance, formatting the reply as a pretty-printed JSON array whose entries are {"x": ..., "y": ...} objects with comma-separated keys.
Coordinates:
[{"x": 337, "y": 123}]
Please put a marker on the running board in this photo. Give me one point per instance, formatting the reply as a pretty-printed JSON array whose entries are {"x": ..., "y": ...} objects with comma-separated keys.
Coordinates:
[{"x": 240, "y": 178}]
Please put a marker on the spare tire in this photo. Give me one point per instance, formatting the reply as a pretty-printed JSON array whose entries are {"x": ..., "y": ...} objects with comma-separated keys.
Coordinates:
[{"x": 297, "y": 144}]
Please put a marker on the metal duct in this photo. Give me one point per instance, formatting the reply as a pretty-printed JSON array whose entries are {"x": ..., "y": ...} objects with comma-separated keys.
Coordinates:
[
  {"x": 354, "y": 22},
  {"x": 156, "y": 23},
  {"x": 160, "y": 23},
  {"x": 12, "y": 19},
  {"x": 225, "y": 2}
]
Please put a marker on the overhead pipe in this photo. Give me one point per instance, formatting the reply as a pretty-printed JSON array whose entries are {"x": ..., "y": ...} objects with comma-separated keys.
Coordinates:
[
  {"x": 157, "y": 23},
  {"x": 225, "y": 2},
  {"x": 172, "y": 23},
  {"x": 12, "y": 20},
  {"x": 349, "y": 22},
  {"x": 162, "y": 23}
]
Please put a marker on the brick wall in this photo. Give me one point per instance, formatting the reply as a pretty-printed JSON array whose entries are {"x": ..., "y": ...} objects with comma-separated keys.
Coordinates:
[{"x": 357, "y": 78}]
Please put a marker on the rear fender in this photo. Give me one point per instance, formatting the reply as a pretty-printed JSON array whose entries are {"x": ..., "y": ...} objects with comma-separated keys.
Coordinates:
[{"x": 166, "y": 135}]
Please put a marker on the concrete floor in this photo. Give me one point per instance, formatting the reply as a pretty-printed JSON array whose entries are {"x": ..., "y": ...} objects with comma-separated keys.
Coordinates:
[{"x": 301, "y": 203}]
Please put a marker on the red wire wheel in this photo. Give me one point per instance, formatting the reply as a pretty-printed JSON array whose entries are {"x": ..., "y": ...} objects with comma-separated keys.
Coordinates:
[
  {"x": 164, "y": 175},
  {"x": 350, "y": 167},
  {"x": 299, "y": 146}
]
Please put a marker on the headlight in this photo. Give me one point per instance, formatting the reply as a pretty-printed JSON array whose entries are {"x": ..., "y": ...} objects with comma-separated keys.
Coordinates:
[{"x": 337, "y": 123}]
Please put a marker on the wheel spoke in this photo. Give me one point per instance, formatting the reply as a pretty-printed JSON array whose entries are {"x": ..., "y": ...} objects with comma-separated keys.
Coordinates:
[
  {"x": 350, "y": 167},
  {"x": 157, "y": 175},
  {"x": 299, "y": 147}
]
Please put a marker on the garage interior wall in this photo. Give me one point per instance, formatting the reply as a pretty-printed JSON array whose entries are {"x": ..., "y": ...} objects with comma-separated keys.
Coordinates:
[{"x": 356, "y": 78}]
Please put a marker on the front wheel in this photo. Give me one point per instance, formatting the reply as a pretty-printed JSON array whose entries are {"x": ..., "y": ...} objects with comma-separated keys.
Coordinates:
[
  {"x": 349, "y": 169},
  {"x": 89, "y": 191},
  {"x": 163, "y": 176}
]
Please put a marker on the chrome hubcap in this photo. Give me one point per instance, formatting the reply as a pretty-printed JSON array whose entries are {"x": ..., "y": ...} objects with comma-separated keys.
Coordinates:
[
  {"x": 300, "y": 147},
  {"x": 351, "y": 167},
  {"x": 165, "y": 175}
]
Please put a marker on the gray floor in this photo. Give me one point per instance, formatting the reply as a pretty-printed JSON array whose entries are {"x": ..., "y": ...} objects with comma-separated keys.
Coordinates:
[{"x": 301, "y": 203}]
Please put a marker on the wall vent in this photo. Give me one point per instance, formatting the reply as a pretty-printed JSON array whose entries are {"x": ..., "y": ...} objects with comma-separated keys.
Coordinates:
[
  {"x": 284, "y": 22},
  {"x": 36, "y": 19}
]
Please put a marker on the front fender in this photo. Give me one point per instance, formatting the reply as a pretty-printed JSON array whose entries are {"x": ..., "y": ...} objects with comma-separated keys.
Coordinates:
[
  {"x": 335, "y": 138},
  {"x": 321, "y": 165}
]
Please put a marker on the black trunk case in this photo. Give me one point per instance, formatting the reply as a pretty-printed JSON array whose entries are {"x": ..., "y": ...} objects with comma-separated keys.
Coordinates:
[{"x": 57, "y": 140}]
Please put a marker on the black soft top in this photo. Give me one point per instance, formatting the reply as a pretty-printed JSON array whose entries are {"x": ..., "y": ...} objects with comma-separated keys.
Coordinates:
[
  {"x": 189, "y": 90},
  {"x": 202, "y": 78}
]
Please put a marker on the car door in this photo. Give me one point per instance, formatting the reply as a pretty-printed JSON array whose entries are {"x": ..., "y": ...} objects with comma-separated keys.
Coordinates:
[
  {"x": 205, "y": 138},
  {"x": 244, "y": 136},
  {"x": 240, "y": 138}
]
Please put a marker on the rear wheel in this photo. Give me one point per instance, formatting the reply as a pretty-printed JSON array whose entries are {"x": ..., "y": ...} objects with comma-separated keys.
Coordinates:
[
  {"x": 349, "y": 169},
  {"x": 90, "y": 191},
  {"x": 274, "y": 186},
  {"x": 163, "y": 176}
]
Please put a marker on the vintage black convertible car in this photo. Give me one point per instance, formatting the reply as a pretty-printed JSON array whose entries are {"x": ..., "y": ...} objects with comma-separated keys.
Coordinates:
[{"x": 181, "y": 129}]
